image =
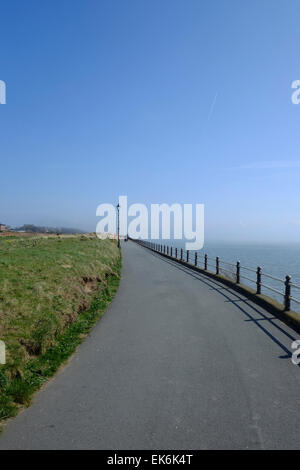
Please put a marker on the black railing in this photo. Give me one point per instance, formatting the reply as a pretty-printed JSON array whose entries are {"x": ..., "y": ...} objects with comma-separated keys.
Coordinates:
[{"x": 234, "y": 272}]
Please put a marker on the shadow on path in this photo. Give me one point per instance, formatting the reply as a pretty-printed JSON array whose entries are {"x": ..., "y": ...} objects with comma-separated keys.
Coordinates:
[{"x": 224, "y": 291}]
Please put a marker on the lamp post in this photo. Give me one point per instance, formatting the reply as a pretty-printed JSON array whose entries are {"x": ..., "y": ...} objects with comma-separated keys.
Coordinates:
[{"x": 118, "y": 209}]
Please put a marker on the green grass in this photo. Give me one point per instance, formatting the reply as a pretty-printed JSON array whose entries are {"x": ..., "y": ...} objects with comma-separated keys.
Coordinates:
[{"x": 52, "y": 291}]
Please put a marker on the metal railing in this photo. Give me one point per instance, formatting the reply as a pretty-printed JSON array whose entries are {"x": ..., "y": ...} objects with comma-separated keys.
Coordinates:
[{"x": 233, "y": 271}]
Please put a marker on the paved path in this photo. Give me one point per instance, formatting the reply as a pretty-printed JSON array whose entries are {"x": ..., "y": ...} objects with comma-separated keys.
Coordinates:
[{"x": 177, "y": 362}]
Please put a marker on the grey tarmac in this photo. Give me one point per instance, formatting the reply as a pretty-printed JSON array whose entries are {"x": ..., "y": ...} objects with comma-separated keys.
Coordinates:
[{"x": 178, "y": 361}]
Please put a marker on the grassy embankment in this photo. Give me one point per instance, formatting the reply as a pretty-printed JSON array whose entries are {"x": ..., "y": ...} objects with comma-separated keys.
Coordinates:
[{"x": 52, "y": 291}]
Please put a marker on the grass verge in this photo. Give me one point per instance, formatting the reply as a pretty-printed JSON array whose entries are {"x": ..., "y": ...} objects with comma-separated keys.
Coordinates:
[{"x": 35, "y": 351}]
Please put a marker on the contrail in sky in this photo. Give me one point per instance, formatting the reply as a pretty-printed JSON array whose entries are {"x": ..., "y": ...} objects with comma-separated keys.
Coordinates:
[
  {"x": 212, "y": 107},
  {"x": 271, "y": 164},
  {"x": 205, "y": 124}
]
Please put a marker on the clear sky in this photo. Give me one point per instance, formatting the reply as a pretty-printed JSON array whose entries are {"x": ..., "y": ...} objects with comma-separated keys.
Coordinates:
[{"x": 161, "y": 100}]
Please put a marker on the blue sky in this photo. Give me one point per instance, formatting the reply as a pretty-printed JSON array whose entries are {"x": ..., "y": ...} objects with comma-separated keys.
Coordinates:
[{"x": 164, "y": 101}]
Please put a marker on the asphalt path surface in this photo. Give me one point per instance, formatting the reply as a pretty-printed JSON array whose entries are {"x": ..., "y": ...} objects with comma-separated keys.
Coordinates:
[{"x": 178, "y": 361}]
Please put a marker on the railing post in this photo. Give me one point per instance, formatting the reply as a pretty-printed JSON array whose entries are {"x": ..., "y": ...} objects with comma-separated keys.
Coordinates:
[
  {"x": 171, "y": 251},
  {"x": 164, "y": 249},
  {"x": 287, "y": 295},
  {"x": 217, "y": 265},
  {"x": 258, "y": 280},
  {"x": 196, "y": 258},
  {"x": 238, "y": 272},
  {"x": 205, "y": 262},
  {"x": 167, "y": 249},
  {"x": 176, "y": 253},
  {"x": 181, "y": 254},
  {"x": 187, "y": 255}
]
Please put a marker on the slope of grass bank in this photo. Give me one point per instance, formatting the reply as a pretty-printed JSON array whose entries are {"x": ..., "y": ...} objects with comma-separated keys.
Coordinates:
[{"x": 52, "y": 291}]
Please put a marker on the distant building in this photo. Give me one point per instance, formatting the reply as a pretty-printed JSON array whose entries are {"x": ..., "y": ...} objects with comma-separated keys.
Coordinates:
[
  {"x": 2, "y": 227},
  {"x": 103, "y": 235}
]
